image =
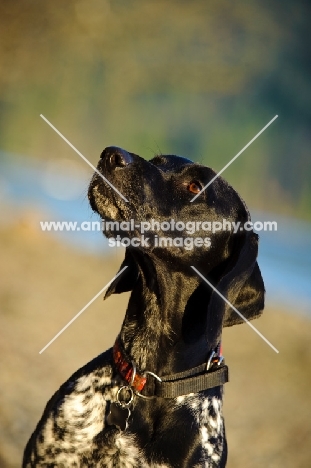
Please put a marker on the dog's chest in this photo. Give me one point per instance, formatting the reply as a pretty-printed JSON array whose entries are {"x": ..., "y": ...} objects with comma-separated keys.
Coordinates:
[
  {"x": 77, "y": 434},
  {"x": 74, "y": 430},
  {"x": 208, "y": 424}
]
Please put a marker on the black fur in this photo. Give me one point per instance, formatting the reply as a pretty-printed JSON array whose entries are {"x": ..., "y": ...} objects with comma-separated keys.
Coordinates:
[{"x": 172, "y": 323}]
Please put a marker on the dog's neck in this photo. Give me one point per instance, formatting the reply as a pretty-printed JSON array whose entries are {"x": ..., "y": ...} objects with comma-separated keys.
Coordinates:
[{"x": 156, "y": 331}]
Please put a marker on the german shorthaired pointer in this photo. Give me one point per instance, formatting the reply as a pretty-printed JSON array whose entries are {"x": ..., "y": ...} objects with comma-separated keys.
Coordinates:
[{"x": 155, "y": 398}]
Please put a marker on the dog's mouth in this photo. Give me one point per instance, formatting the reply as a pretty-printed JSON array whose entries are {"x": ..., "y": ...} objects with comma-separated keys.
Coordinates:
[
  {"x": 112, "y": 193},
  {"x": 107, "y": 184},
  {"x": 111, "y": 208}
]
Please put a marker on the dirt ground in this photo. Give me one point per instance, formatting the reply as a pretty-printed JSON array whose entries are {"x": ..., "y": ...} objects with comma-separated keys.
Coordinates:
[{"x": 44, "y": 284}]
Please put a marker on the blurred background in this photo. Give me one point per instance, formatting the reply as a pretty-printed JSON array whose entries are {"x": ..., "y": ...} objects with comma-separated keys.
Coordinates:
[{"x": 198, "y": 79}]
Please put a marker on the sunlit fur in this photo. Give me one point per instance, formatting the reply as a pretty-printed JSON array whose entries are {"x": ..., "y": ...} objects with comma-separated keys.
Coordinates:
[{"x": 172, "y": 323}]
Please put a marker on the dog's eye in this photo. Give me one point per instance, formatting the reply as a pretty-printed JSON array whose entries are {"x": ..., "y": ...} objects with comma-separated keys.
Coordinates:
[{"x": 194, "y": 187}]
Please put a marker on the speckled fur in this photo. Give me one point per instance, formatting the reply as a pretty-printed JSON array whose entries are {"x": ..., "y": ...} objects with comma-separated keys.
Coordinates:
[{"x": 73, "y": 431}]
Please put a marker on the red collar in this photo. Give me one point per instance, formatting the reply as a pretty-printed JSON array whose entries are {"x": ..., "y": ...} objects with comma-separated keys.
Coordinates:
[{"x": 125, "y": 367}]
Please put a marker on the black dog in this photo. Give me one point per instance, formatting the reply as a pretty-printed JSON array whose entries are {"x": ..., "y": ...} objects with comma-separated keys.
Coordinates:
[{"x": 155, "y": 399}]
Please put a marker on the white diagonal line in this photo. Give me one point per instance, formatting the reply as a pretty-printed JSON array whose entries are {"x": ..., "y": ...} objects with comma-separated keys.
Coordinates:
[
  {"x": 82, "y": 310},
  {"x": 236, "y": 310},
  {"x": 83, "y": 157},
  {"x": 233, "y": 159}
]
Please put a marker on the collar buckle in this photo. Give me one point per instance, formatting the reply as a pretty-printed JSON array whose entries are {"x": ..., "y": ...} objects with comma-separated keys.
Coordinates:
[{"x": 215, "y": 359}]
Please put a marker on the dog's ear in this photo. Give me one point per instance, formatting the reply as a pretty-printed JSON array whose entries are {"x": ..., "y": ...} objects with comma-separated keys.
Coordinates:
[
  {"x": 241, "y": 284},
  {"x": 127, "y": 280},
  {"x": 244, "y": 284}
]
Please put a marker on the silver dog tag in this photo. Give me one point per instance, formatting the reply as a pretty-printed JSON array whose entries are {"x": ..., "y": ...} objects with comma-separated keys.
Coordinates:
[{"x": 118, "y": 416}]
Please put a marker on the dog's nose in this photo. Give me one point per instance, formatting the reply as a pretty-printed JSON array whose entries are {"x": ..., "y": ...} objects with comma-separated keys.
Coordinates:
[{"x": 116, "y": 157}]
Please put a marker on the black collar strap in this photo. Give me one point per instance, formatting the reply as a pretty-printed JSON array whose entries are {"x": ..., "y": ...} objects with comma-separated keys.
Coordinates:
[
  {"x": 211, "y": 374},
  {"x": 194, "y": 380}
]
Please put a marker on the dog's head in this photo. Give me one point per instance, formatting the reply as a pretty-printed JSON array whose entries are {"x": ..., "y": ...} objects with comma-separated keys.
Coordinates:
[{"x": 179, "y": 232}]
